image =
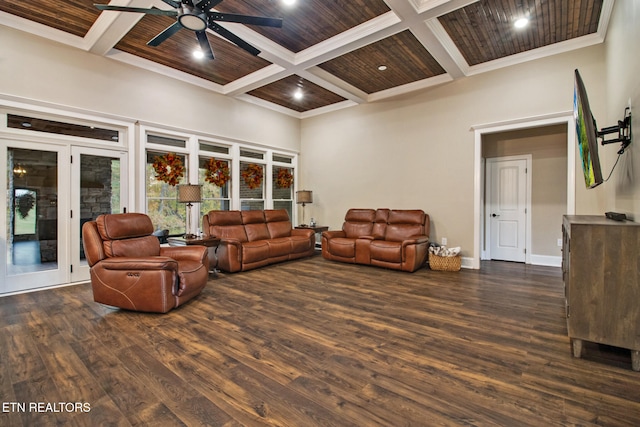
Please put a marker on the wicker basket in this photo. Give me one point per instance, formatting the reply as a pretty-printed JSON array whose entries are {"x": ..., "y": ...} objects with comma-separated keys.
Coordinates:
[{"x": 444, "y": 263}]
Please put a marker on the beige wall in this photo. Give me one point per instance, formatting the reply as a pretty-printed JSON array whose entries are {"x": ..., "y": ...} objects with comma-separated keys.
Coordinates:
[
  {"x": 548, "y": 149},
  {"x": 418, "y": 152},
  {"x": 35, "y": 68},
  {"x": 623, "y": 89}
]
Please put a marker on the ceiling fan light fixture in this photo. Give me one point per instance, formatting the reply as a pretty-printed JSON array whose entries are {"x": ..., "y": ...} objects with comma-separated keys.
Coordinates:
[
  {"x": 298, "y": 94},
  {"x": 289, "y": 2},
  {"x": 198, "y": 54},
  {"x": 192, "y": 18}
]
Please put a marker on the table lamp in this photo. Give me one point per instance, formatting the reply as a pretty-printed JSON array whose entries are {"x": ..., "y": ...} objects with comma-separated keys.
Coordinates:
[
  {"x": 303, "y": 197},
  {"x": 189, "y": 194}
]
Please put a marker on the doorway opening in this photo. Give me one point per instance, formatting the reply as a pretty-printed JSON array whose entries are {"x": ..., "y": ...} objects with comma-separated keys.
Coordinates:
[{"x": 513, "y": 137}]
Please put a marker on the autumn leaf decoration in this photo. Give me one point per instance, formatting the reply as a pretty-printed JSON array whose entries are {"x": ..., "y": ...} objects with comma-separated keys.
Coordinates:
[
  {"x": 217, "y": 172},
  {"x": 168, "y": 168},
  {"x": 284, "y": 179},
  {"x": 253, "y": 175}
]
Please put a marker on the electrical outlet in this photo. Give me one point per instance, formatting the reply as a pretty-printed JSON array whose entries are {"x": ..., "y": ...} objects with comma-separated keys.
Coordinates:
[
  {"x": 559, "y": 243},
  {"x": 444, "y": 241}
]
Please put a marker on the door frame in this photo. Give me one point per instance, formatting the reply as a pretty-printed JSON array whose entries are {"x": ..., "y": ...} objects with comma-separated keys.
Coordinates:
[
  {"x": 528, "y": 158},
  {"x": 565, "y": 117}
]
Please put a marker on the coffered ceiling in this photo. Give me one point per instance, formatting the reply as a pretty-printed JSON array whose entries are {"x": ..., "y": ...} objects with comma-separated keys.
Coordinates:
[{"x": 336, "y": 53}]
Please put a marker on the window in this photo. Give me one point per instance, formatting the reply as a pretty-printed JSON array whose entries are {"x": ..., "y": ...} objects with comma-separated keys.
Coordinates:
[
  {"x": 251, "y": 186},
  {"x": 215, "y": 196},
  {"x": 258, "y": 178},
  {"x": 282, "y": 181},
  {"x": 61, "y": 128},
  {"x": 162, "y": 199}
]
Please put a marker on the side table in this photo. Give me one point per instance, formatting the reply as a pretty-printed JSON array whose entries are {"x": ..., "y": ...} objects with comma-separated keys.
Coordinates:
[
  {"x": 210, "y": 242},
  {"x": 318, "y": 229}
]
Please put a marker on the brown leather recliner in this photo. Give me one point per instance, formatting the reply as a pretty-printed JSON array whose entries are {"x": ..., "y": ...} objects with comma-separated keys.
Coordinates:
[{"x": 130, "y": 270}]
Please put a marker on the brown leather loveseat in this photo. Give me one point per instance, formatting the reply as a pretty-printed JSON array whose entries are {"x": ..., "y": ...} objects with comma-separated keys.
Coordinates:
[
  {"x": 252, "y": 239},
  {"x": 130, "y": 270},
  {"x": 396, "y": 239}
]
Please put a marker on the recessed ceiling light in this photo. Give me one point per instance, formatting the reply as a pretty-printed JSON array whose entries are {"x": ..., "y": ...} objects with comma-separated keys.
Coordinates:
[
  {"x": 298, "y": 95},
  {"x": 198, "y": 54},
  {"x": 521, "y": 22},
  {"x": 382, "y": 67},
  {"x": 26, "y": 124}
]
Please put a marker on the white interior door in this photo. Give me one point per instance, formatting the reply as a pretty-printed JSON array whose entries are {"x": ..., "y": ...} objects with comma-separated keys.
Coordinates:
[
  {"x": 34, "y": 227},
  {"x": 507, "y": 208},
  {"x": 99, "y": 186}
]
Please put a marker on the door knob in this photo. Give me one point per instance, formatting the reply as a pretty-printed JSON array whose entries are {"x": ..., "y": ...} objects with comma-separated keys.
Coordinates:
[{"x": 494, "y": 215}]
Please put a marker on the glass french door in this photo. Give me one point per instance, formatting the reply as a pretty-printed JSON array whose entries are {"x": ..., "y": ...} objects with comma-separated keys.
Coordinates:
[
  {"x": 50, "y": 192},
  {"x": 99, "y": 182},
  {"x": 34, "y": 230}
]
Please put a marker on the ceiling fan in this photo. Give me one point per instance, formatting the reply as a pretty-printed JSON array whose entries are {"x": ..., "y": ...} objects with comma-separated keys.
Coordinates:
[{"x": 196, "y": 15}]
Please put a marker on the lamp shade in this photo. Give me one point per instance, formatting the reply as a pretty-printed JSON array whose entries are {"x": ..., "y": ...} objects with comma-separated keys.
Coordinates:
[
  {"x": 190, "y": 193},
  {"x": 304, "y": 196}
]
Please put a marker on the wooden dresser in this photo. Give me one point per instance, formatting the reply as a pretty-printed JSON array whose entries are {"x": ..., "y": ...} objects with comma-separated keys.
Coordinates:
[{"x": 601, "y": 273}]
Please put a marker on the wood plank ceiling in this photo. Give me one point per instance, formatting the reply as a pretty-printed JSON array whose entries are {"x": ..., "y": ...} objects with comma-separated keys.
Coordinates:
[{"x": 337, "y": 53}]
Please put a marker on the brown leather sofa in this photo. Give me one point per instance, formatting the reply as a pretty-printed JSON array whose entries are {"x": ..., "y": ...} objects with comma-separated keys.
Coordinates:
[
  {"x": 130, "y": 270},
  {"x": 252, "y": 239},
  {"x": 396, "y": 239}
]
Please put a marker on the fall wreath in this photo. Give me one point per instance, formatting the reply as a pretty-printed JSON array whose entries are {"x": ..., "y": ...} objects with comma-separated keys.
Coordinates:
[
  {"x": 168, "y": 168},
  {"x": 253, "y": 175},
  {"x": 217, "y": 172},
  {"x": 284, "y": 179}
]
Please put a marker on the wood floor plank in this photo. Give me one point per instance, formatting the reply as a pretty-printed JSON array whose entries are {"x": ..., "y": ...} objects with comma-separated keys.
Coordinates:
[{"x": 319, "y": 343}]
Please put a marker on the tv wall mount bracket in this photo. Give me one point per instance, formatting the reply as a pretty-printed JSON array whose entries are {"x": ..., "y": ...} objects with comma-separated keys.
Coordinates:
[{"x": 623, "y": 128}]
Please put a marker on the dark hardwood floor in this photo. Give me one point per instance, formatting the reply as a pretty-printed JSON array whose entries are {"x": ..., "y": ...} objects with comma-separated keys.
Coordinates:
[{"x": 315, "y": 343}]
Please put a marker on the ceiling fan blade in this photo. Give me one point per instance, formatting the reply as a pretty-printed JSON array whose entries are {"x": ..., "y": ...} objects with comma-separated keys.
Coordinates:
[
  {"x": 153, "y": 11},
  {"x": 168, "y": 32},
  {"x": 245, "y": 19},
  {"x": 205, "y": 46},
  {"x": 174, "y": 4},
  {"x": 208, "y": 4},
  {"x": 233, "y": 38}
]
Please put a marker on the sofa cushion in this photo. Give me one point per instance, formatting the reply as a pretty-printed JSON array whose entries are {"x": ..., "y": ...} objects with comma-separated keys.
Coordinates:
[
  {"x": 380, "y": 223},
  {"x": 405, "y": 223},
  {"x": 358, "y": 222},
  {"x": 254, "y": 225},
  {"x": 255, "y": 251},
  {"x": 226, "y": 225},
  {"x": 279, "y": 247},
  {"x": 278, "y": 223},
  {"x": 385, "y": 250}
]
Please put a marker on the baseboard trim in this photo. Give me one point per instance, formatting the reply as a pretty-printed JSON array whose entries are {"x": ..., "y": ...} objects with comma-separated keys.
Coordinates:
[{"x": 546, "y": 260}]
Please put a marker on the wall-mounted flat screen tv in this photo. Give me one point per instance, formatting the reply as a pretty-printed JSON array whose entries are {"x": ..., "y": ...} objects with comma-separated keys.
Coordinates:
[{"x": 587, "y": 135}]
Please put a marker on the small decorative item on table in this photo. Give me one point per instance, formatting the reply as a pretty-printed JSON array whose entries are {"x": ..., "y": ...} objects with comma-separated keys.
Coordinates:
[{"x": 442, "y": 258}]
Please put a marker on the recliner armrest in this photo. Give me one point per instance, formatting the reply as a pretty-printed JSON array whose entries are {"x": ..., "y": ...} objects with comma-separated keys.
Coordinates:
[
  {"x": 302, "y": 232},
  {"x": 187, "y": 253},
  {"x": 333, "y": 233},
  {"x": 414, "y": 240},
  {"x": 146, "y": 263}
]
